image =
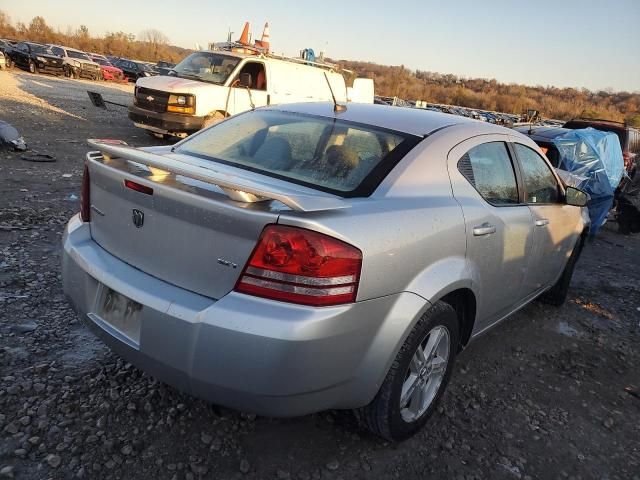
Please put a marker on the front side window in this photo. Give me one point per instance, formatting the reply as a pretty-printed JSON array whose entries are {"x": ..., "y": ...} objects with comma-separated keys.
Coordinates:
[
  {"x": 206, "y": 67},
  {"x": 540, "y": 184},
  {"x": 489, "y": 169},
  {"x": 336, "y": 156},
  {"x": 258, "y": 76}
]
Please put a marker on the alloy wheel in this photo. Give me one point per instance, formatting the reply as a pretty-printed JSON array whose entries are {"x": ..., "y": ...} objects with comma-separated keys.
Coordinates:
[{"x": 425, "y": 374}]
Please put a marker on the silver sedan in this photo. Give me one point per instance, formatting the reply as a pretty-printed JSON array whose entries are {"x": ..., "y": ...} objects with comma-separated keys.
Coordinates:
[{"x": 299, "y": 258}]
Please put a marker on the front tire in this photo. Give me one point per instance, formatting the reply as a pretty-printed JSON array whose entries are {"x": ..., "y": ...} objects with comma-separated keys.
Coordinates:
[
  {"x": 417, "y": 378},
  {"x": 33, "y": 68},
  {"x": 213, "y": 119}
]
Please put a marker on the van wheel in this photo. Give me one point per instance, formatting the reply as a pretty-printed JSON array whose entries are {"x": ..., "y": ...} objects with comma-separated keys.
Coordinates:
[
  {"x": 557, "y": 294},
  {"x": 213, "y": 119},
  {"x": 417, "y": 378},
  {"x": 33, "y": 68}
]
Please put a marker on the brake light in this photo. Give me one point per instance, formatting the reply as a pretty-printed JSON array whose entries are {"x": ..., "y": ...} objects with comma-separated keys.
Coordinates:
[
  {"x": 85, "y": 200},
  {"x": 138, "y": 187},
  {"x": 301, "y": 266}
]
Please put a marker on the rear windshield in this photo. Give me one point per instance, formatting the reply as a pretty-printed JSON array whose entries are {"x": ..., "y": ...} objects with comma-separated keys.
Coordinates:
[{"x": 335, "y": 156}]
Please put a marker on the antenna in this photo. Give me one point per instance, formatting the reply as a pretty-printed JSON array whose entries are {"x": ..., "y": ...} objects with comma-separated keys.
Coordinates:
[{"x": 336, "y": 107}]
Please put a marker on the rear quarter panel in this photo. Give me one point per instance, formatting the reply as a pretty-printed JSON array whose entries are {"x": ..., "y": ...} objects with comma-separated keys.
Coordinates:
[{"x": 411, "y": 230}]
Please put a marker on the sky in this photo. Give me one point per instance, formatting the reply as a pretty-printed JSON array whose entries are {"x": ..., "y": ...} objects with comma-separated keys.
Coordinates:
[{"x": 565, "y": 43}]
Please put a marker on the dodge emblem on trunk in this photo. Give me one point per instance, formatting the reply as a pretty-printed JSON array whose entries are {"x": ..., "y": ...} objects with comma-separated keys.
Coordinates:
[{"x": 138, "y": 217}]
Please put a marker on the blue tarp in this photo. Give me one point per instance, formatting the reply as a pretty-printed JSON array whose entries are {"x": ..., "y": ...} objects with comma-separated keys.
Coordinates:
[{"x": 596, "y": 156}]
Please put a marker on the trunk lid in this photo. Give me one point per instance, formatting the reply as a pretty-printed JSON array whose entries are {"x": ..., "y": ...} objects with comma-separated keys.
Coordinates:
[{"x": 188, "y": 232}]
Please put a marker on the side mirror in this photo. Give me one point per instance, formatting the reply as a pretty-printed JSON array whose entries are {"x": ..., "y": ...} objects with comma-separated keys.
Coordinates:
[
  {"x": 576, "y": 197},
  {"x": 245, "y": 80}
]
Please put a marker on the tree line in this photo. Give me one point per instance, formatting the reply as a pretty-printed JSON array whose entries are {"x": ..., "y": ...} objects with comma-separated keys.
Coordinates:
[
  {"x": 489, "y": 94},
  {"x": 151, "y": 45},
  {"x": 393, "y": 81}
]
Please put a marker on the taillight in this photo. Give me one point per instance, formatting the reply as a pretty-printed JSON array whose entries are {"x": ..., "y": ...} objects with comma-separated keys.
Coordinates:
[
  {"x": 301, "y": 266},
  {"x": 85, "y": 200}
]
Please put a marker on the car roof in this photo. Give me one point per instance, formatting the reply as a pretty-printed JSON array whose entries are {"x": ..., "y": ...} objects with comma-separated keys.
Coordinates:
[{"x": 414, "y": 121}]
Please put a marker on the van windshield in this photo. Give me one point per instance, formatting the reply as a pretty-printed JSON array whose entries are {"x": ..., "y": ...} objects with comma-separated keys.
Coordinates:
[
  {"x": 206, "y": 67},
  {"x": 344, "y": 158}
]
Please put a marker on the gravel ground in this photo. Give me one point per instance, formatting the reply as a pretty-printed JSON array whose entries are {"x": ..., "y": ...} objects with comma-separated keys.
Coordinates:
[{"x": 541, "y": 396}]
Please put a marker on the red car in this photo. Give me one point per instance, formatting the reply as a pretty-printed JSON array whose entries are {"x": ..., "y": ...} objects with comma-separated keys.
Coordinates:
[{"x": 109, "y": 72}]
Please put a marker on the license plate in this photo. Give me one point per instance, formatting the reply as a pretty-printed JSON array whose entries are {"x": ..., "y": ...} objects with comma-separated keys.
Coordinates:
[{"x": 121, "y": 313}]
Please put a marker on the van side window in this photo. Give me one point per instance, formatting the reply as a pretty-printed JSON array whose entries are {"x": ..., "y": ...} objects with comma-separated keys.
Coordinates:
[
  {"x": 489, "y": 169},
  {"x": 258, "y": 75}
]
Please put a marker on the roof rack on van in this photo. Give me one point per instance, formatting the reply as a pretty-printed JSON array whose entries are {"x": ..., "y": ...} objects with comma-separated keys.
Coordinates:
[{"x": 328, "y": 66}]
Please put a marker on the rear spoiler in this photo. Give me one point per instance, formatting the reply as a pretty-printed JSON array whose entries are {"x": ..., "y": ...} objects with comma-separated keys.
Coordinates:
[{"x": 236, "y": 188}]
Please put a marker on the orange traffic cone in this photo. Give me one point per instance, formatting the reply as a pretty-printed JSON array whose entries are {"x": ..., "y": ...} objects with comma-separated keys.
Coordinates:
[
  {"x": 264, "y": 42},
  {"x": 244, "y": 38}
]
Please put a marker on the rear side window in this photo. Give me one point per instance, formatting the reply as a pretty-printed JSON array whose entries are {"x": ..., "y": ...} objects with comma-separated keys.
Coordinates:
[
  {"x": 336, "y": 156},
  {"x": 540, "y": 184},
  {"x": 489, "y": 169}
]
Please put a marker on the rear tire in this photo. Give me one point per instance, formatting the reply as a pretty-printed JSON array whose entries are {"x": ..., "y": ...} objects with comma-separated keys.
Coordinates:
[
  {"x": 8, "y": 62},
  {"x": 390, "y": 415},
  {"x": 557, "y": 294}
]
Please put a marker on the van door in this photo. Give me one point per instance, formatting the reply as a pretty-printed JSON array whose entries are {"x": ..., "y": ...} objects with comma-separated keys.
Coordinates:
[
  {"x": 498, "y": 224},
  {"x": 240, "y": 100}
]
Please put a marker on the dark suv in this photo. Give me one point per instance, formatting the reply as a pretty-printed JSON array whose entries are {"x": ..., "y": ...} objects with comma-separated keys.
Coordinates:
[
  {"x": 629, "y": 136},
  {"x": 35, "y": 57},
  {"x": 135, "y": 70}
]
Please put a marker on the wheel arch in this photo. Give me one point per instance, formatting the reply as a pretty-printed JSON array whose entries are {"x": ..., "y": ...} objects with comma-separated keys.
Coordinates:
[{"x": 463, "y": 301}]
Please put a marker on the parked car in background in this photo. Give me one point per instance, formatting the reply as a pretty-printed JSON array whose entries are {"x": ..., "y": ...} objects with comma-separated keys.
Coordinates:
[
  {"x": 322, "y": 259},
  {"x": 592, "y": 157},
  {"x": 629, "y": 136},
  {"x": 36, "y": 58},
  {"x": 109, "y": 71},
  {"x": 5, "y": 45},
  {"x": 77, "y": 64},
  {"x": 164, "y": 68},
  {"x": 133, "y": 70}
]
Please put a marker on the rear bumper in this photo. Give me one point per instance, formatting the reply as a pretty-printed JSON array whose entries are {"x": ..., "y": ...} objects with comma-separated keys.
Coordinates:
[
  {"x": 164, "y": 122},
  {"x": 242, "y": 352}
]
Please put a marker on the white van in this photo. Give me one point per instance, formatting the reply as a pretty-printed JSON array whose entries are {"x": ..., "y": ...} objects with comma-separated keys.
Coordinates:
[{"x": 208, "y": 86}]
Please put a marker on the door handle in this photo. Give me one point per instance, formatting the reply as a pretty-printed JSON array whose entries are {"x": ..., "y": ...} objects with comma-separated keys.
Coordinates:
[
  {"x": 484, "y": 229},
  {"x": 542, "y": 222}
]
